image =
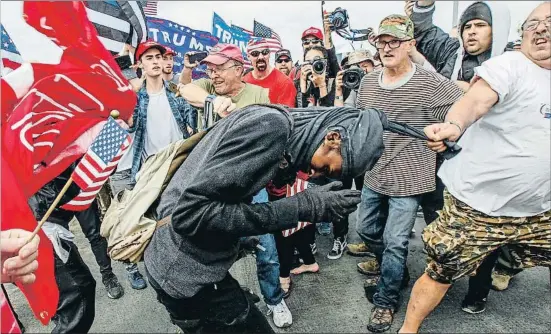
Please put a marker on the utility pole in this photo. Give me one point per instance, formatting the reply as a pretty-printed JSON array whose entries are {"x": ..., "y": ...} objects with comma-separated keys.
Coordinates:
[{"x": 455, "y": 13}]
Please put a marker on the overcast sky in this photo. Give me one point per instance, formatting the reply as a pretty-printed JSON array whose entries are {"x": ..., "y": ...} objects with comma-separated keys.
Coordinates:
[{"x": 288, "y": 18}]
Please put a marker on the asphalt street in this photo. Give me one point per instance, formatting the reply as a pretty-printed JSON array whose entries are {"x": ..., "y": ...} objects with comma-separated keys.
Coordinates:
[{"x": 331, "y": 301}]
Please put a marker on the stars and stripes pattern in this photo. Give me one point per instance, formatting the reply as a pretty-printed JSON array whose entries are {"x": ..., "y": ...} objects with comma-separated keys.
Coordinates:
[
  {"x": 299, "y": 186},
  {"x": 247, "y": 65},
  {"x": 11, "y": 58},
  {"x": 98, "y": 164},
  {"x": 118, "y": 23},
  {"x": 273, "y": 39},
  {"x": 150, "y": 8}
]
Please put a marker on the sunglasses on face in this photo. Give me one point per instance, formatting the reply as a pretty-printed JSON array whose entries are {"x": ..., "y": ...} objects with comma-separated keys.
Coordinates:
[
  {"x": 307, "y": 42},
  {"x": 279, "y": 61},
  {"x": 264, "y": 52}
]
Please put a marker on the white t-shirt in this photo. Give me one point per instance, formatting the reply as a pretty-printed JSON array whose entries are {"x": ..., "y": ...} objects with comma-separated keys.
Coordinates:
[
  {"x": 161, "y": 128},
  {"x": 505, "y": 166}
]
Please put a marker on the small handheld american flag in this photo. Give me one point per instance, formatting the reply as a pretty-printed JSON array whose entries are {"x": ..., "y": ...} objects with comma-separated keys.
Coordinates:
[
  {"x": 98, "y": 163},
  {"x": 298, "y": 187}
]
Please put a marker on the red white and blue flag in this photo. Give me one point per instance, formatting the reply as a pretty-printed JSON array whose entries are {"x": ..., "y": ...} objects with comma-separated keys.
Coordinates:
[
  {"x": 272, "y": 38},
  {"x": 299, "y": 186},
  {"x": 247, "y": 65},
  {"x": 98, "y": 164},
  {"x": 11, "y": 59}
]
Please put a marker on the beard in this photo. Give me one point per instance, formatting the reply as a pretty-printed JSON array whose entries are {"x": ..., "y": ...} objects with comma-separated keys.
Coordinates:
[
  {"x": 261, "y": 65},
  {"x": 167, "y": 71}
]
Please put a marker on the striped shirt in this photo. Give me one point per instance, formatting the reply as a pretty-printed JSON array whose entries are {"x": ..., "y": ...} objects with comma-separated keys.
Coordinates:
[{"x": 407, "y": 167}]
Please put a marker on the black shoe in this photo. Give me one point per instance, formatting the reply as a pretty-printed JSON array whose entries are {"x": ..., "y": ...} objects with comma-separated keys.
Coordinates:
[
  {"x": 251, "y": 296},
  {"x": 112, "y": 285},
  {"x": 474, "y": 307},
  {"x": 339, "y": 245}
]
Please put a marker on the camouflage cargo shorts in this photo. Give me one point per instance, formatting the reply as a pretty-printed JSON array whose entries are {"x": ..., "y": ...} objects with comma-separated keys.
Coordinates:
[{"x": 459, "y": 240}]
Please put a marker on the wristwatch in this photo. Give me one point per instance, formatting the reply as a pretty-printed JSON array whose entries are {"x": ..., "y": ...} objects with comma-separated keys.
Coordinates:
[{"x": 339, "y": 97}]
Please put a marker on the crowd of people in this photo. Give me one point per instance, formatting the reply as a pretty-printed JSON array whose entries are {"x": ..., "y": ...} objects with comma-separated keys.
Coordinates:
[{"x": 289, "y": 148}]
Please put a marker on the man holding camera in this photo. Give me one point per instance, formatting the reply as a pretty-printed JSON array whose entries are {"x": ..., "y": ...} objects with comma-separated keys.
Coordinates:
[
  {"x": 359, "y": 63},
  {"x": 280, "y": 88},
  {"x": 406, "y": 169}
]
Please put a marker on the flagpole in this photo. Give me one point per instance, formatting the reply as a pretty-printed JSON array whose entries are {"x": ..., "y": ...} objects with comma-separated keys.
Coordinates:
[{"x": 115, "y": 114}]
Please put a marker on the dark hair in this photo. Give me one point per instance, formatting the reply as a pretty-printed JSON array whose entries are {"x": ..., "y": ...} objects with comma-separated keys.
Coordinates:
[{"x": 317, "y": 48}]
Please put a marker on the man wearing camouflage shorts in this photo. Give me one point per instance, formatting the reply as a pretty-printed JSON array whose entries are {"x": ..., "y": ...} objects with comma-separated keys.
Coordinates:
[{"x": 498, "y": 188}]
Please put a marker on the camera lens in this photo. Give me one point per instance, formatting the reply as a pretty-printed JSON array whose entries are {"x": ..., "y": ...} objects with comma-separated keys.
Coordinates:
[
  {"x": 352, "y": 78},
  {"x": 318, "y": 66}
]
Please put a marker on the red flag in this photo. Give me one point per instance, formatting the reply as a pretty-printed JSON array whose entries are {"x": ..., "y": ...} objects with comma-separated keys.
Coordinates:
[{"x": 54, "y": 105}]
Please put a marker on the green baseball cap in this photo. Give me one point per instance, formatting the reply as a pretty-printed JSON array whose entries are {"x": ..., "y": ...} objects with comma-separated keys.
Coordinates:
[{"x": 398, "y": 26}]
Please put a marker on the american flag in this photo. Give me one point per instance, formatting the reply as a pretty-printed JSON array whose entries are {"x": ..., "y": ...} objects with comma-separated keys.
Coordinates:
[
  {"x": 118, "y": 23},
  {"x": 273, "y": 39},
  {"x": 11, "y": 58},
  {"x": 150, "y": 8},
  {"x": 98, "y": 164},
  {"x": 247, "y": 65},
  {"x": 299, "y": 186}
]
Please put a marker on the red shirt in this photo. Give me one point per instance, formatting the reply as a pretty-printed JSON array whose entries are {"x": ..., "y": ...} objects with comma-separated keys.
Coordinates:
[{"x": 281, "y": 88}]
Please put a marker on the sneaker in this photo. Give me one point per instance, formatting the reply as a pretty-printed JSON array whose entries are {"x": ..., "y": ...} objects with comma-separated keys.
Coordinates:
[
  {"x": 500, "y": 280},
  {"x": 369, "y": 267},
  {"x": 339, "y": 244},
  {"x": 370, "y": 287},
  {"x": 380, "y": 320},
  {"x": 324, "y": 228},
  {"x": 281, "y": 314},
  {"x": 112, "y": 285},
  {"x": 136, "y": 279},
  {"x": 360, "y": 250},
  {"x": 474, "y": 307},
  {"x": 314, "y": 248}
]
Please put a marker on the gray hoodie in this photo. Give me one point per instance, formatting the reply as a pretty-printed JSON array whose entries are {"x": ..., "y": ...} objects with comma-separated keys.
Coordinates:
[{"x": 447, "y": 54}]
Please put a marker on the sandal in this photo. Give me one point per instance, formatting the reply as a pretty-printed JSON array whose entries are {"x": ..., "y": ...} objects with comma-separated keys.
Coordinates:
[{"x": 286, "y": 286}]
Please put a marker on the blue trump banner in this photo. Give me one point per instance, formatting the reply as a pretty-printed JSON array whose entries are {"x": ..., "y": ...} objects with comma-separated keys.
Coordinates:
[
  {"x": 181, "y": 39},
  {"x": 228, "y": 34}
]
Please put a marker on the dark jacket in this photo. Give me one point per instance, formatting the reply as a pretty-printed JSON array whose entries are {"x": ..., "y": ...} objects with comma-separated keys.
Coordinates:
[
  {"x": 41, "y": 201},
  {"x": 210, "y": 196},
  {"x": 442, "y": 51}
]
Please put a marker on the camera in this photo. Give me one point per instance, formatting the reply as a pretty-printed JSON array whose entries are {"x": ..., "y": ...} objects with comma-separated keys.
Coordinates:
[
  {"x": 352, "y": 78},
  {"x": 318, "y": 66},
  {"x": 338, "y": 19}
]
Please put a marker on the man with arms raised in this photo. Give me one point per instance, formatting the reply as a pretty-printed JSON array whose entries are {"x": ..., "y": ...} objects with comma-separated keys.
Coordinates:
[{"x": 497, "y": 194}]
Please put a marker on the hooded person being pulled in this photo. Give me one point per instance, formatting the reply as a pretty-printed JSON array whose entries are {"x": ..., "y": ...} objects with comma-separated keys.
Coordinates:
[{"x": 208, "y": 203}]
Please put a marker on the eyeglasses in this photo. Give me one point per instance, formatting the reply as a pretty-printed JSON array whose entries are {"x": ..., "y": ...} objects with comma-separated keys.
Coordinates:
[
  {"x": 533, "y": 24},
  {"x": 279, "y": 61},
  {"x": 394, "y": 44},
  {"x": 264, "y": 52},
  {"x": 211, "y": 71},
  {"x": 309, "y": 41}
]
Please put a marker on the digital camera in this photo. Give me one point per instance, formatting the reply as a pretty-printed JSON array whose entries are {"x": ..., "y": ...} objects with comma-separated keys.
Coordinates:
[{"x": 352, "y": 77}]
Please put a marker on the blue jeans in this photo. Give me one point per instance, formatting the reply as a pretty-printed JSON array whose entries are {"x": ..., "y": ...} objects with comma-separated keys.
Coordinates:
[
  {"x": 267, "y": 262},
  {"x": 388, "y": 239}
]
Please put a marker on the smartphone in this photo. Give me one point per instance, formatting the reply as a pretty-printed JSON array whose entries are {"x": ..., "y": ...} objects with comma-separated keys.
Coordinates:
[{"x": 197, "y": 57}]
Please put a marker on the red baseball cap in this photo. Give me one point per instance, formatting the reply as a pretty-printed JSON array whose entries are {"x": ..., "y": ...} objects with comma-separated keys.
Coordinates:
[
  {"x": 169, "y": 51},
  {"x": 149, "y": 44},
  {"x": 313, "y": 31},
  {"x": 221, "y": 53}
]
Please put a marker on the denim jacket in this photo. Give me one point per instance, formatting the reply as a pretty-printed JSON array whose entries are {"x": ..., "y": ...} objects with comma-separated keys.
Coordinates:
[{"x": 183, "y": 112}]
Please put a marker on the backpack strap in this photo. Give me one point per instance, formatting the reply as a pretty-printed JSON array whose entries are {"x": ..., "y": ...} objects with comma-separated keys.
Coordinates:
[{"x": 164, "y": 221}]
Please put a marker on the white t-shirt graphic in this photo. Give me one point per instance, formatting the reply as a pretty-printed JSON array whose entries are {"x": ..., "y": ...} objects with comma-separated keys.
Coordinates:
[{"x": 505, "y": 166}]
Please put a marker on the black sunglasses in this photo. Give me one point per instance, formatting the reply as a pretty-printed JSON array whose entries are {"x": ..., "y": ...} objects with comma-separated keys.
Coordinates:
[
  {"x": 311, "y": 41},
  {"x": 279, "y": 61},
  {"x": 265, "y": 52}
]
